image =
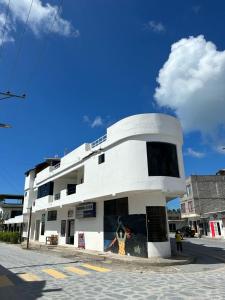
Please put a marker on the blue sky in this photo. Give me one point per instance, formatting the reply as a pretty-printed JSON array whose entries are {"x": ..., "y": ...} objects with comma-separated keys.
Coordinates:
[{"x": 98, "y": 62}]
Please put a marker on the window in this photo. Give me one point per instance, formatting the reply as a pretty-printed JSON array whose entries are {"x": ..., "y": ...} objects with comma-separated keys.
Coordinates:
[
  {"x": 183, "y": 210},
  {"x": 52, "y": 215},
  {"x": 162, "y": 159},
  {"x": 63, "y": 227},
  {"x": 101, "y": 158},
  {"x": 71, "y": 189},
  {"x": 156, "y": 224},
  {"x": 188, "y": 189},
  {"x": 45, "y": 189},
  {"x": 190, "y": 206},
  {"x": 43, "y": 224},
  {"x": 57, "y": 196},
  {"x": 116, "y": 207}
]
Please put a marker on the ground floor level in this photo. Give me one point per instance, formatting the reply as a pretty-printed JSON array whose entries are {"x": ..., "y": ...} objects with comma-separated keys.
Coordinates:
[{"x": 132, "y": 224}]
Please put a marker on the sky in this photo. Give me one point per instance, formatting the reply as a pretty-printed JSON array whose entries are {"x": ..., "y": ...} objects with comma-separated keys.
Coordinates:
[{"x": 84, "y": 65}]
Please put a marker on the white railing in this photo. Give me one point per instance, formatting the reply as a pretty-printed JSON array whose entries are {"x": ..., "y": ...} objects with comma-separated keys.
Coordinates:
[{"x": 99, "y": 141}]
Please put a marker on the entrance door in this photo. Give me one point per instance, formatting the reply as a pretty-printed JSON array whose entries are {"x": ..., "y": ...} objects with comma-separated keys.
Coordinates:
[
  {"x": 37, "y": 231},
  {"x": 218, "y": 228},
  {"x": 70, "y": 232}
]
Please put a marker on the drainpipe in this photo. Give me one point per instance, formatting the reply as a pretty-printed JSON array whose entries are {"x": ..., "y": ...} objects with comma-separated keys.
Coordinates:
[{"x": 29, "y": 225}]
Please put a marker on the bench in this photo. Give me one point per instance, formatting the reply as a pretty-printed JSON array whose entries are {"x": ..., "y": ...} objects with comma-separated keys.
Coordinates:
[{"x": 52, "y": 240}]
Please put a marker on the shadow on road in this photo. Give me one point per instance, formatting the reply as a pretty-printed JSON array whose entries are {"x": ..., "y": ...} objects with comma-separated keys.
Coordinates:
[
  {"x": 200, "y": 250},
  {"x": 13, "y": 287}
]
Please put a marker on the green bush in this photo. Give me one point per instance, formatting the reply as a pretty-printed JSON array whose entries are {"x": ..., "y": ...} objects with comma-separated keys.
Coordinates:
[{"x": 9, "y": 237}]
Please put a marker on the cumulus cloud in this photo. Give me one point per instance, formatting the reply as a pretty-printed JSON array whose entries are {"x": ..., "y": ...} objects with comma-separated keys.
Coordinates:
[
  {"x": 191, "y": 83},
  {"x": 96, "y": 122},
  {"x": 44, "y": 18},
  {"x": 193, "y": 153},
  {"x": 155, "y": 26}
]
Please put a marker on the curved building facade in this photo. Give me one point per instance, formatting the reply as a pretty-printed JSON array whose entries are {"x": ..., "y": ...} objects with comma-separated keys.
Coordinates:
[{"x": 110, "y": 195}]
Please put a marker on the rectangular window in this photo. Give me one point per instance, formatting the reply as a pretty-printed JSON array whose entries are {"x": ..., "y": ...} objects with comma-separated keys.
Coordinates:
[
  {"x": 45, "y": 189},
  {"x": 156, "y": 224},
  {"x": 52, "y": 215},
  {"x": 63, "y": 227},
  {"x": 162, "y": 159},
  {"x": 183, "y": 209},
  {"x": 101, "y": 158},
  {"x": 188, "y": 189},
  {"x": 116, "y": 207},
  {"x": 71, "y": 189},
  {"x": 190, "y": 206}
]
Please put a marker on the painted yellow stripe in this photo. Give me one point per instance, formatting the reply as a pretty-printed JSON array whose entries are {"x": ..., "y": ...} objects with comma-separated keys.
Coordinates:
[
  {"x": 29, "y": 277},
  {"x": 76, "y": 270},
  {"x": 95, "y": 268},
  {"x": 4, "y": 281},
  {"x": 54, "y": 273}
]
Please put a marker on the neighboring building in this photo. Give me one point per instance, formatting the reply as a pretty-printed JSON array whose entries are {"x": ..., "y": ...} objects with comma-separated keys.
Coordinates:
[
  {"x": 204, "y": 204},
  {"x": 101, "y": 195},
  {"x": 10, "y": 207},
  {"x": 174, "y": 220}
]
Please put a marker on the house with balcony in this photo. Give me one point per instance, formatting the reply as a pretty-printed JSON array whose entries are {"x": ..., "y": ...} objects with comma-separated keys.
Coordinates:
[
  {"x": 111, "y": 194},
  {"x": 203, "y": 204}
]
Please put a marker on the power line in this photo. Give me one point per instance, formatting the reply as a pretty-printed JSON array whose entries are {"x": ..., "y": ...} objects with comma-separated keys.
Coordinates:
[
  {"x": 4, "y": 29},
  {"x": 12, "y": 73},
  {"x": 43, "y": 49}
]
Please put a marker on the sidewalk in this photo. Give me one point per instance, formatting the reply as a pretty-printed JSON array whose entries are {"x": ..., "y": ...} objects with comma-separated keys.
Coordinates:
[{"x": 69, "y": 250}]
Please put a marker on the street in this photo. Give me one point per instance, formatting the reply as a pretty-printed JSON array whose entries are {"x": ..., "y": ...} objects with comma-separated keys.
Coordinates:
[{"x": 26, "y": 274}]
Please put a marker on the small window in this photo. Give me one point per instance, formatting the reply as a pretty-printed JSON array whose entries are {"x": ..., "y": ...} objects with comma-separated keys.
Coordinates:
[
  {"x": 52, "y": 215},
  {"x": 63, "y": 227},
  {"x": 183, "y": 210},
  {"x": 190, "y": 206},
  {"x": 101, "y": 158},
  {"x": 71, "y": 189}
]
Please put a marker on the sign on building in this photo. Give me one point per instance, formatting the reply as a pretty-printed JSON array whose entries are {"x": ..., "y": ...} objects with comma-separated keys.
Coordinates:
[{"x": 86, "y": 210}]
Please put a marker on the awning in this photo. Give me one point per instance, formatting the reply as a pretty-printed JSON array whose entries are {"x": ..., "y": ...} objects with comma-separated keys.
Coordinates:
[{"x": 16, "y": 220}]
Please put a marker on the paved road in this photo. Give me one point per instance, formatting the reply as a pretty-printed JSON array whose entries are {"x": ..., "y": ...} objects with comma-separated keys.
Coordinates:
[{"x": 29, "y": 275}]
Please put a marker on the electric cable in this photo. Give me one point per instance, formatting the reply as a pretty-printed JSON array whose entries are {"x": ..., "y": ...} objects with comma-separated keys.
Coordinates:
[
  {"x": 4, "y": 28},
  {"x": 19, "y": 50}
]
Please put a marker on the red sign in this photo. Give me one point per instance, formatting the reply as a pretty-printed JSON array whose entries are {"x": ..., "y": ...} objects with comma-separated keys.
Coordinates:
[{"x": 81, "y": 240}]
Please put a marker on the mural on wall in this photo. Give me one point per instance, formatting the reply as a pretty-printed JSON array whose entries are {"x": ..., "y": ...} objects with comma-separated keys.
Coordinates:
[{"x": 126, "y": 235}]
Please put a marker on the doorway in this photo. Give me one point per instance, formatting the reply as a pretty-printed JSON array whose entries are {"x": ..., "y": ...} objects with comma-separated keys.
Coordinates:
[
  {"x": 70, "y": 232},
  {"x": 37, "y": 230}
]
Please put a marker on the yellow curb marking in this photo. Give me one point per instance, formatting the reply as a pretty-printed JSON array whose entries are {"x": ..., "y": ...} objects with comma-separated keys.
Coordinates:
[
  {"x": 4, "y": 281},
  {"x": 29, "y": 277},
  {"x": 54, "y": 273},
  {"x": 77, "y": 271},
  {"x": 95, "y": 268}
]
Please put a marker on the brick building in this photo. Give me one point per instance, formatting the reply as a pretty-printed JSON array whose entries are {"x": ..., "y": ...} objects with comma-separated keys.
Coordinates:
[{"x": 203, "y": 205}]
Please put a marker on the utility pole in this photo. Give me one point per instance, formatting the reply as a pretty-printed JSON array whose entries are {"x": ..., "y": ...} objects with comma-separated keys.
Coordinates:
[
  {"x": 9, "y": 95},
  {"x": 29, "y": 225}
]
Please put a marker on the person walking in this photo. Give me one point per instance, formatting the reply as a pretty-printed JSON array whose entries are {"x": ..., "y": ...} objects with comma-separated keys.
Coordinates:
[{"x": 178, "y": 238}]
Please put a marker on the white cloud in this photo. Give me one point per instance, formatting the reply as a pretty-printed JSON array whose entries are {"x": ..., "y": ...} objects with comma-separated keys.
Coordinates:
[
  {"x": 96, "y": 122},
  {"x": 155, "y": 26},
  {"x": 5, "y": 29},
  {"x": 44, "y": 18},
  {"x": 220, "y": 149},
  {"x": 193, "y": 153},
  {"x": 191, "y": 83}
]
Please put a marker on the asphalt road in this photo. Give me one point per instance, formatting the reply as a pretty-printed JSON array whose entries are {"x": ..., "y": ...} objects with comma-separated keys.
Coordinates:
[{"x": 36, "y": 275}]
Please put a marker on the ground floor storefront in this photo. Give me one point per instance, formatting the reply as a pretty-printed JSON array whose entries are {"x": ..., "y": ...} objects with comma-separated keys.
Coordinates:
[{"x": 129, "y": 224}]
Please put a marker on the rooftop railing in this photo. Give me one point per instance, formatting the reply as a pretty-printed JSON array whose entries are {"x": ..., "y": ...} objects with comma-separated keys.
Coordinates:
[{"x": 99, "y": 141}]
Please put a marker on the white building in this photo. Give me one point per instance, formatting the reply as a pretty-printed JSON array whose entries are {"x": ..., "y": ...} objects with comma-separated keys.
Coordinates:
[{"x": 101, "y": 195}]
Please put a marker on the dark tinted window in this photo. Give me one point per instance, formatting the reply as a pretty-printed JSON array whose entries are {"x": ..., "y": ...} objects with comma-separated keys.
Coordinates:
[
  {"x": 43, "y": 224},
  {"x": 71, "y": 189},
  {"x": 52, "y": 215},
  {"x": 45, "y": 189},
  {"x": 101, "y": 158},
  {"x": 162, "y": 159},
  {"x": 156, "y": 223},
  {"x": 63, "y": 227},
  {"x": 116, "y": 207}
]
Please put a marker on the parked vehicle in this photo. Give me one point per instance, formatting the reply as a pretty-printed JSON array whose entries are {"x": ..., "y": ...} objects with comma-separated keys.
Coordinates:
[{"x": 186, "y": 231}]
